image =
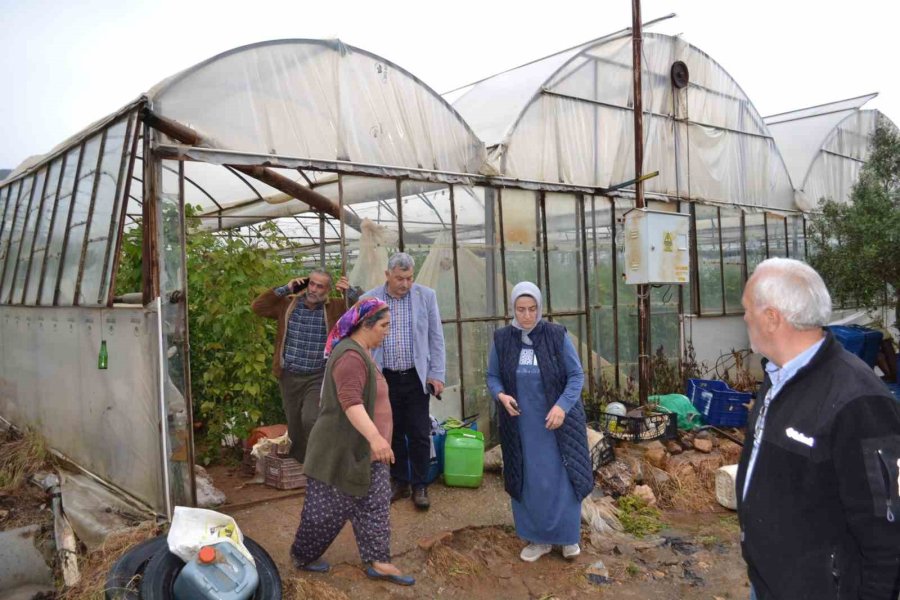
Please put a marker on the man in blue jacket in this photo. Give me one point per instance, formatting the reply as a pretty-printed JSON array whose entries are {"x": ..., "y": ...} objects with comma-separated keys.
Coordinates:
[
  {"x": 412, "y": 359},
  {"x": 817, "y": 484}
]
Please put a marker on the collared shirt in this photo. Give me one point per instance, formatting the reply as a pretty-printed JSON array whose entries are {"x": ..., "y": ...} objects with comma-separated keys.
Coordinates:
[
  {"x": 778, "y": 376},
  {"x": 304, "y": 342},
  {"x": 398, "y": 343}
]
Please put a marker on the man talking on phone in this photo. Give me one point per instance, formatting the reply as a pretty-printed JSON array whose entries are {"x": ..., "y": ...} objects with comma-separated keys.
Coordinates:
[{"x": 305, "y": 315}]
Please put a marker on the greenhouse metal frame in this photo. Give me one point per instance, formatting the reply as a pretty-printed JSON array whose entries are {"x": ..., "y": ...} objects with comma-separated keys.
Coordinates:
[{"x": 526, "y": 176}]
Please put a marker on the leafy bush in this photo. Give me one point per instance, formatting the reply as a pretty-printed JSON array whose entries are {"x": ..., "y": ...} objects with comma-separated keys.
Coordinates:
[{"x": 232, "y": 386}]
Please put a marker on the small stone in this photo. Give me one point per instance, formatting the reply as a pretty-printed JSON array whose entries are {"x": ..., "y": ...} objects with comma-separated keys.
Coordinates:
[
  {"x": 598, "y": 573},
  {"x": 704, "y": 446},
  {"x": 3, "y": 513},
  {"x": 702, "y": 565},
  {"x": 645, "y": 493},
  {"x": 427, "y": 543},
  {"x": 687, "y": 443},
  {"x": 673, "y": 447},
  {"x": 656, "y": 455},
  {"x": 658, "y": 575},
  {"x": 702, "y": 435}
]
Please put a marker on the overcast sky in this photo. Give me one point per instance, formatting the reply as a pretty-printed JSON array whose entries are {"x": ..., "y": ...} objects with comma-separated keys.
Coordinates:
[{"x": 64, "y": 64}]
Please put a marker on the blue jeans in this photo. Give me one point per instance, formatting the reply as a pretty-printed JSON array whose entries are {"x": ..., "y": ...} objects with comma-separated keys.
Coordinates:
[{"x": 752, "y": 593}]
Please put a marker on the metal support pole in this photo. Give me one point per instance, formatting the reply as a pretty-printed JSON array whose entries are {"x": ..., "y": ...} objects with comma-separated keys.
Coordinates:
[{"x": 643, "y": 290}]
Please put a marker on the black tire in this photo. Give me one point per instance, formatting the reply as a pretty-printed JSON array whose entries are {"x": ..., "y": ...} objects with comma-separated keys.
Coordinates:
[
  {"x": 164, "y": 567},
  {"x": 121, "y": 581}
]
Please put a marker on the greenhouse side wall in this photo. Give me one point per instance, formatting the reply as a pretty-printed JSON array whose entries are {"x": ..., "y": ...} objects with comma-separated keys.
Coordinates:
[{"x": 104, "y": 420}]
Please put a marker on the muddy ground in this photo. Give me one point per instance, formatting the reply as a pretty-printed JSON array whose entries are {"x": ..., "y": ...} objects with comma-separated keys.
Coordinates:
[{"x": 465, "y": 546}]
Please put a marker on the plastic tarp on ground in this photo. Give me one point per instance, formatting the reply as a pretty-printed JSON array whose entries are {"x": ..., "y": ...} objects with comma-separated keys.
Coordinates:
[
  {"x": 825, "y": 147},
  {"x": 577, "y": 126}
]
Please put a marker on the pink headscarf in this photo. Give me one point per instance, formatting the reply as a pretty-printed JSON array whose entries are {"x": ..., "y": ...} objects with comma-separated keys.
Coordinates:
[{"x": 351, "y": 320}]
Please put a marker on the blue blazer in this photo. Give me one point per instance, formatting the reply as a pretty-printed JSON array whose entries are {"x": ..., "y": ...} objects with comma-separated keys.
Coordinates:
[{"x": 428, "y": 333}]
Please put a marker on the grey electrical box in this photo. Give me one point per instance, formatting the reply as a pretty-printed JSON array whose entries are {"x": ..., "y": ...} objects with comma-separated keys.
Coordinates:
[{"x": 656, "y": 247}]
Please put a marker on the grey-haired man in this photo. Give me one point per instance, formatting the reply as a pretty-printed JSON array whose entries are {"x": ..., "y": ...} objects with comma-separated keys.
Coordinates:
[{"x": 411, "y": 358}]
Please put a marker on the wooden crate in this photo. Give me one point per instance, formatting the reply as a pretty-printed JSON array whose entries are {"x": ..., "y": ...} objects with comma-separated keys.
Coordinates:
[{"x": 284, "y": 472}]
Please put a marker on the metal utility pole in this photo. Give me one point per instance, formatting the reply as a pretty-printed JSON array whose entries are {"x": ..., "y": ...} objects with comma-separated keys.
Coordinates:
[{"x": 643, "y": 290}]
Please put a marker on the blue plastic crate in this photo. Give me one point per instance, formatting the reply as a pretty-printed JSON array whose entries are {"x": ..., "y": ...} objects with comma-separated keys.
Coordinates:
[
  {"x": 719, "y": 404},
  {"x": 895, "y": 390},
  {"x": 861, "y": 341}
]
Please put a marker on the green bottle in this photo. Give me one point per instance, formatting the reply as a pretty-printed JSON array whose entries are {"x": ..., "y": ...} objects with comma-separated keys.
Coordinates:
[{"x": 103, "y": 359}]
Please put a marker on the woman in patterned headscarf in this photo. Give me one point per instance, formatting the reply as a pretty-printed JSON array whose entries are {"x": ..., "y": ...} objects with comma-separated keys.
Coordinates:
[
  {"x": 349, "y": 450},
  {"x": 535, "y": 374}
]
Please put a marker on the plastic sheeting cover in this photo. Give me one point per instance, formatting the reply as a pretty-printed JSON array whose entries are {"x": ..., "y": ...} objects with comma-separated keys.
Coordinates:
[
  {"x": 580, "y": 129},
  {"x": 320, "y": 100}
]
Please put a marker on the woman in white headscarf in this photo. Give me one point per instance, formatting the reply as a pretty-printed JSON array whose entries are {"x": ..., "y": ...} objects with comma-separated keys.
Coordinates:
[{"x": 535, "y": 375}]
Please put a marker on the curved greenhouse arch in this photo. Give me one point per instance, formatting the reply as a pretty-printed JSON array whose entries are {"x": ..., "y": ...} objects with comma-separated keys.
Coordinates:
[{"x": 567, "y": 119}]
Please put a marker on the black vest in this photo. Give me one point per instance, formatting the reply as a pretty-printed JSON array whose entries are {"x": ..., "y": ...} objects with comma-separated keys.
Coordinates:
[{"x": 548, "y": 341}]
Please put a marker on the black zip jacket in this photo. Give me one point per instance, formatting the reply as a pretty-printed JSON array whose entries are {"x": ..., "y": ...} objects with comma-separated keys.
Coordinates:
[{"x": 821, "y": 519}]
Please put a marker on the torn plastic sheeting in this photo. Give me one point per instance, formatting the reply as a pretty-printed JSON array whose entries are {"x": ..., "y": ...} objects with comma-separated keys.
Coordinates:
[{"x": 95, "y": 511}]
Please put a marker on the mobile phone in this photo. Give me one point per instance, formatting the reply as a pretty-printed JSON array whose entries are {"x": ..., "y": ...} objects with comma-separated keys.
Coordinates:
[
  {"x": 515, "y": 405},
  {"x": 296, "y": 288},
  {"x": 430, "y": 387}
]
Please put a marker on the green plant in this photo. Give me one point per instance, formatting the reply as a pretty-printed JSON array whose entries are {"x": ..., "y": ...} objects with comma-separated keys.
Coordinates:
[
  {"x": 632, "y": 570},
  {"x": 854, "y": 245},
  {"x": 637, "y": 518},
  {"x": 232, "y": 386}
]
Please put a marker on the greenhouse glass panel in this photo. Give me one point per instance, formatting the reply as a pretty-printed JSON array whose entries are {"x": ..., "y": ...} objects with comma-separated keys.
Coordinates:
[
  {"x": 27, "y": 245},
  {"x": 576, "y": 327},
  {"x": 709, "y": 261},
  {"x": 104, "y": 219},
  {"x": 428, "y": 238},
  {"x": 775, "y": 231},
  {"x": 477, "y": 341},
  {"x": 599, "y": 231},
  {"x": 733, "y": 267},
  {"x": 796, "y": 238},
  {"x": 755, "y": 239},
  {"x": 521, "y": 225},
  {"x": 626, "y": 315},
  {"x": 378, "y": 237},
  {"x": 478, "y": 237},
  {"x": 452, "y": 403},
  {"x": 9, "y": 214},
  {"x": 41, "y": 238},
  {"x": 16, "y": 234},
  {"x": 565, "y": 291},
  {"x": 78, "y": 217},
  {"x": 58, "y": 227}
]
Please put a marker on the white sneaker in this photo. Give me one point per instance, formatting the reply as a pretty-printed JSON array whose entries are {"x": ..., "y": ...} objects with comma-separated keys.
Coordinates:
[
  {"x": 571, "y": 550},
  {"x": 532, "y": 552}
]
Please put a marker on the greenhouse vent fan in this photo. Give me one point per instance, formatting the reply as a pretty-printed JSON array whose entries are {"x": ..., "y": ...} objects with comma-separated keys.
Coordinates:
[{"x": 680, "y": 74}]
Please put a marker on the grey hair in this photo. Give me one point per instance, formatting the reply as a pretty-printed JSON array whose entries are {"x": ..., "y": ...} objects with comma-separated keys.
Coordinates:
[
  {"x": 321, "y": 271},
  {"x": 794, "y": 289},
  {"x": 402, "y": 261}
]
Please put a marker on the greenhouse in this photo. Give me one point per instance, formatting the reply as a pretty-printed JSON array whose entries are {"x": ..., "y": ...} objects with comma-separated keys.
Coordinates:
[{"x": 347, "y": 158}]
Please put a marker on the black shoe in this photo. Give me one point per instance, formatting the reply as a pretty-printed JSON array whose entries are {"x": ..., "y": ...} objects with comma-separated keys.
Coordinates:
[
  {"x": 420, "y": 497},
  {"x": 399, "y": 489}
]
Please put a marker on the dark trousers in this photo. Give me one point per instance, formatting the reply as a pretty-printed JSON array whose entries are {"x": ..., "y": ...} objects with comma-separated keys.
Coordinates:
[
  {"x": 326, "y": 509},
  {"x": 300, "y": 396},
  {"x": 412, "y": 422}
]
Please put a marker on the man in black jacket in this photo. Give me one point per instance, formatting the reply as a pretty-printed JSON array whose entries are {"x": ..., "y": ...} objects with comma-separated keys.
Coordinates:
[{"x": 817, "y": 483}]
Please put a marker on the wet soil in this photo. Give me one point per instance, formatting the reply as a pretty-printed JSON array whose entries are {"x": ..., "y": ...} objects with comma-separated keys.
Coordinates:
[{"x": 466, "y": 546}]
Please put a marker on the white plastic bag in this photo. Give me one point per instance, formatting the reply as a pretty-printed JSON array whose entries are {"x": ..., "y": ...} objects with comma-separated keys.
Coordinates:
[{"x": 193, "y": 528}]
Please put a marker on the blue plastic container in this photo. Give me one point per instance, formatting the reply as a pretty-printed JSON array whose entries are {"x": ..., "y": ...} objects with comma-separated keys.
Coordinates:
[
  {"x": 858, "y": 340},
  {"x": 223, "y": 574},
  {"x": 719, "y": 404}
]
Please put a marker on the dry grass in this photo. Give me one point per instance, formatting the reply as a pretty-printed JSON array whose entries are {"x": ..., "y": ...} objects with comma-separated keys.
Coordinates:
[
  {"x": 446, "y": 561},
  {"x": 95, "y": 566},
  {"x": 688, "y": 490},
  {"x": 21, "y": 456},
  {"x": 297, "y": 588}
]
